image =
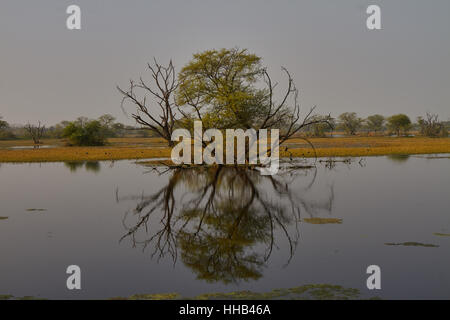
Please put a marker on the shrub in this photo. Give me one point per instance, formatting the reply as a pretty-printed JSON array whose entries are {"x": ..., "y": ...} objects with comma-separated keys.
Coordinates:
[{"x": 89, "y": 133}]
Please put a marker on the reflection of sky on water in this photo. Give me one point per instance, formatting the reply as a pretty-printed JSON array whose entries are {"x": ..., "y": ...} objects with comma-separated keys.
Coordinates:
[{"x": 383, "y": 201}]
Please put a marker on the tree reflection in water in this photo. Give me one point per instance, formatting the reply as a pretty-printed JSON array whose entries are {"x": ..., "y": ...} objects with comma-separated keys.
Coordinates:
[{"x": 222, "y": 221}]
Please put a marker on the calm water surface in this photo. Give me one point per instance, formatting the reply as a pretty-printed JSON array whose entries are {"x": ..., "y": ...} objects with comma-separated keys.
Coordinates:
[{"x": 134, "y": 230}]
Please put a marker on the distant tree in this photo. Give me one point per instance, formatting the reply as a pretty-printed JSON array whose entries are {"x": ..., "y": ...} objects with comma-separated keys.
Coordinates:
[
  {"x": 118, "y": 129},
  {"x": 350, "y": 122},
  {"x": 35, "y": 132},
  {"x": 319, "y": 129},
  {"x": 58, "y": 129},
  {"x": 3, "y": 124},
  {"x": 82, "y": 120},
  {"x": 107, "y": 120},
  {"x": 399, "y": 123},
  {"x": 375, "y": 123},
  {"x": 430, "y": 126},
  {"x": 86, "y": 133},
  {"x": 444, "y": 132},
  {"x": 5, "y": 132},
  {"x": 107, "y": 123},
  {"x": 64, "y": 123}
]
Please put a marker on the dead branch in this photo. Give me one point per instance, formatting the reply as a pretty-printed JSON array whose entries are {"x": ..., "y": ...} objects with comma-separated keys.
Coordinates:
[{"x": 164, "y": 85}]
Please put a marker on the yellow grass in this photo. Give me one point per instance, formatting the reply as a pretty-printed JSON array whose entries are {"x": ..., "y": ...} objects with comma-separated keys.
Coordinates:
[
  {"x": 368, "y": 146},
  {"x": 147, "y": 148}
]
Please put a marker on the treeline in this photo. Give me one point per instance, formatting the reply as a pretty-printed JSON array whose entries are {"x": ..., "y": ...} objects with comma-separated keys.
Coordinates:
[
  {"x": 82, "y": 131},
  {"x": 399, "y": 125}
]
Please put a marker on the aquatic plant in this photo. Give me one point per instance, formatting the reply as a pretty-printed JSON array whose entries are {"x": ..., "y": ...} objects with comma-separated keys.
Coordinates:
[
  {"x": 322, "y": 220},
  {"x": 413, "y": 244}
]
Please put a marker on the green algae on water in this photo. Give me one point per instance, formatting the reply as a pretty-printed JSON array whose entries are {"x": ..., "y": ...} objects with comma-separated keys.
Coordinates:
[{"x": 413, "y": 244}]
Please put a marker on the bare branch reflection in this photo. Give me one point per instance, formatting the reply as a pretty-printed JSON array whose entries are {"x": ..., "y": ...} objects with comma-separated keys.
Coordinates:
[{"x": 224, "y": 222}]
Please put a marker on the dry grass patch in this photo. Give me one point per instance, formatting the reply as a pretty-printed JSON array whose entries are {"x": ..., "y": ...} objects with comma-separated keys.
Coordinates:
[{"x": 147, "y": 148}]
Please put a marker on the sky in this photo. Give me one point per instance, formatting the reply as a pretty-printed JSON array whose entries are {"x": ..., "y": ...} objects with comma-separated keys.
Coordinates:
[{"x": 50, "y": 73}]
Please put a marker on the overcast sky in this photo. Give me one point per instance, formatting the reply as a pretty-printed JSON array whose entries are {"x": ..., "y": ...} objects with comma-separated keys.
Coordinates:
[{"x": 49, "y": 73}]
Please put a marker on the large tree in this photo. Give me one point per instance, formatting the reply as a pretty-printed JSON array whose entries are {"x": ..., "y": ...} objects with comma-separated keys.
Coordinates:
[
  {"x": 219, "y": 86},
  {"x": 227, "y": 88},
  {"x": 230, "y": 88}
]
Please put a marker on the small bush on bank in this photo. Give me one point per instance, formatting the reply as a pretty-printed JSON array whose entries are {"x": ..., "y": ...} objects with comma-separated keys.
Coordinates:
[{"x": 89, "y": 133}]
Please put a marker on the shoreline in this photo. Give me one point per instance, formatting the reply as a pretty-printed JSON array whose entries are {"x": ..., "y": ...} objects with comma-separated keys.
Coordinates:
[{"x": 149, "y": 148}]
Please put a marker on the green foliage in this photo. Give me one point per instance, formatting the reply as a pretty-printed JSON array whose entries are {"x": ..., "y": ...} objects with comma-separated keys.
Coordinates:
[
  {"x": 305, "y": 292},
  {"x": 399, "y": 123},
  {"x": 85, "y": 133},
  {"x": 11, "y": 297},
  {"x": 156, "y": 296},
  {"x": 5, "y": 133},
  {"x": 3, "y": 124},
  {"x": 322, "y": 220},
  {"x": 319, "y": 129},
  {"x": 442, "y": 234},
  {"x": 350, "y": 122},
  {"x": 413, "y": 244},
  {"x": 375, "y": 122},
  {"x": 222, "y": 86},
  {"x": 56, "y": 131}
]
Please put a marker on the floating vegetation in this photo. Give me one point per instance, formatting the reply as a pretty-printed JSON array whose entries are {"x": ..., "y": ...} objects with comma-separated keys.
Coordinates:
[
  {"x": 331, "y": 160},
  {"x": 305, "y": 292},
  {"x": 11, "y": 297},
  {"x": 323, "y": 220},
  {"x": 413, "y": 244},
  {"x": 442, "y": 234},
  {"x": 399, "y": 158},
  {"x": 36, "y": 209},
  {"x": 156, "y": 296},
  {"x": 3, "y": 218},
  {"x": 434, "y": 157}
]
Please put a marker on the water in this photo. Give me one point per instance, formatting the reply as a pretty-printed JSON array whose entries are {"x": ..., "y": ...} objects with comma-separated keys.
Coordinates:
[
  {"x": 134, "y": 230},
  {"x": 31, "y": 147}
]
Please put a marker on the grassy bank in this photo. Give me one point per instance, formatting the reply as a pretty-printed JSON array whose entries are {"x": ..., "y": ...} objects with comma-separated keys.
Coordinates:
[{"x": 145, "y": 148}]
